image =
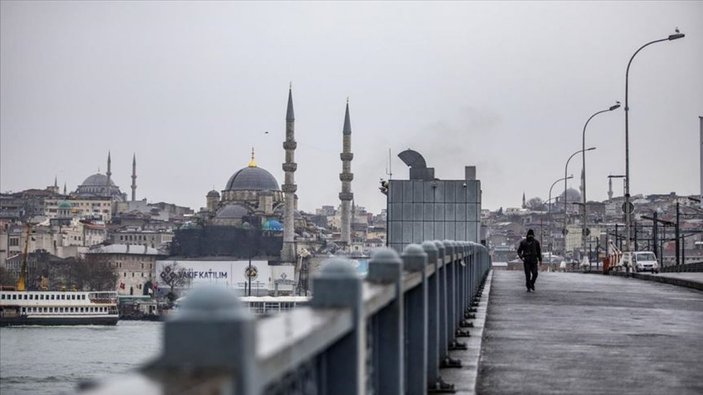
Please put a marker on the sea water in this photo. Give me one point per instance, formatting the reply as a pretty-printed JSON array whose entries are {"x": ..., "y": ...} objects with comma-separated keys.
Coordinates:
[{"x": 54, "y": 359}]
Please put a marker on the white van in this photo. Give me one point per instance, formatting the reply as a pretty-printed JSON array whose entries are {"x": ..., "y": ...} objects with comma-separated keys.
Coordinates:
[{"x": 645, "y": 261}]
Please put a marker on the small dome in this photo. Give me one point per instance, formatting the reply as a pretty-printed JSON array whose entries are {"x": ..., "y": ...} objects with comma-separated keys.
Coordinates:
[
  {"x": 96, "y": 179},
  {"x": 232, "y": 211},
  {"x": 64, "y": 205},
  {"x": 252, "y": 179},
  {"x": 272, "y": 224},
  {"x": 572, "y": 195},
  {"x": 213, "y": 193}
]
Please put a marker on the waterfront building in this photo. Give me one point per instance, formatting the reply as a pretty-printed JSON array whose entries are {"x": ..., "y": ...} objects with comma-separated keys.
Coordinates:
[
  {"x": 142, "y": 237},
  {"x": 134, "y": 265}
]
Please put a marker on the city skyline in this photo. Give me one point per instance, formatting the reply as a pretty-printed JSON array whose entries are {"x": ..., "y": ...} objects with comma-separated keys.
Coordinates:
[{"x": 191, "y": 89}]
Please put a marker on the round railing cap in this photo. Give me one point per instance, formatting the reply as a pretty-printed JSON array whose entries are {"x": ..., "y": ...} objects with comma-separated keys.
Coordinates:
[
  {"x": 337, "y": 268},
  {"x": 385, "y": 255},
  {"x": 413, "y": 250}
]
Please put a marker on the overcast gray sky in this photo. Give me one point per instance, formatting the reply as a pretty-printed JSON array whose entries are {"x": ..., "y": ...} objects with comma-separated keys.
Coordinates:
[{"x": 191, "y": 87}]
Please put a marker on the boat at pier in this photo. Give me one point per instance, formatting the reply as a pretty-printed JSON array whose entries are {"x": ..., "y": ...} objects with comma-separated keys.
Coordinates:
[{"x": 58, "y": 308}]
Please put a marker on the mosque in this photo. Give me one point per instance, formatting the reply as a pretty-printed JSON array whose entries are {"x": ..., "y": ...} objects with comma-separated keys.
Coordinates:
[
  {"x": 251, "y": 196},
  {"x": 101, "y": 186},
  {"x": 253, "y": 215}
]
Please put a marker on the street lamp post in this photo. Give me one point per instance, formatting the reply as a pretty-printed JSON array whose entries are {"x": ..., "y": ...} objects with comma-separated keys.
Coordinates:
[
  {"x": 566, "y": 169},
  {"x": 628, "y": 207},
  {"x": 583, "y": 172},
  {"x": 549, "y": 208}
]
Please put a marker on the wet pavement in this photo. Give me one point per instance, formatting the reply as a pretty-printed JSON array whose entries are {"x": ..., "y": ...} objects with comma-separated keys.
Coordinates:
[{"x": 588, "y": 333}]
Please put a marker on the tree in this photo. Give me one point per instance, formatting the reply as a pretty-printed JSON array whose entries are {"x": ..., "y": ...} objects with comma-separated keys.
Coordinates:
[
  {"x": 6, "y": 277},
  {"x": 93, "y": 274},
  {"x": 175, "y": 277}
]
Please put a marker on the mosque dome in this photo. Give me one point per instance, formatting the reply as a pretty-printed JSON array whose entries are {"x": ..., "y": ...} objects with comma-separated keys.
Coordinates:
[
  {"x": 231, "y": 211},
  {"x": 64, "y": 205},
  {"x": 96, "y": 179},
  {"x": 214, "y": 194},
  {"x": 572, "y": 195},
  {"x": 273, "y": 224},
  {"x": 252, "y": 178}
]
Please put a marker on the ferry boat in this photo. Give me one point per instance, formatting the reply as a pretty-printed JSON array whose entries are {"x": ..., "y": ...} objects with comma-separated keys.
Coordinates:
[{"x": 58, "y": 308}]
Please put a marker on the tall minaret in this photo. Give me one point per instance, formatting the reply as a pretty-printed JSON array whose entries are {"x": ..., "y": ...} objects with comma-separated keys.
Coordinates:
[
  {"x": 346, "y": 177},
  {"x": 134, "y": 177},
  {"x": 288, "y": 252},
  {"x": 524, "y": 203},
  {"x": 610, "y": 188},
  {"x": 64, "y": 187},
  {"x": 109, "y": 174}
]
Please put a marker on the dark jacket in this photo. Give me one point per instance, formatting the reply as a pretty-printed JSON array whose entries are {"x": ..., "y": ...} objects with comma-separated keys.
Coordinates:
[{"x": 529, "y": 250}]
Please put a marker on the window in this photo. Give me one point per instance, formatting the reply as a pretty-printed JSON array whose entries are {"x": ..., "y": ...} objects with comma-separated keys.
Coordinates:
[
  {"x": 2, "y": 296},
  {"x": 63, "y": 297},
  {"x": 24, "y": 309},
  {"x": 25, "y": 297},
  {"x": 41, "y": 296},
  {"x": 53, "y": 296}
]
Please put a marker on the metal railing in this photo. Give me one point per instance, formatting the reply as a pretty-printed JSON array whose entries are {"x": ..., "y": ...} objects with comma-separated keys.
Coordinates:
[{"x": 388, "y": 334}]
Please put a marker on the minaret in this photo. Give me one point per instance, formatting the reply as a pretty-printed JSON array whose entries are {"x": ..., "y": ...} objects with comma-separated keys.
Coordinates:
[
  {"x": 524, "y": 204},
  {"x": 610, "y": 188},
  {"x": 109, "y": 174},
  {"x": 288, "y": 253},
  {"x": 134, "y": 177},
  {"x": 64, "y": 188},
  {"x": 346, "y": 177}
]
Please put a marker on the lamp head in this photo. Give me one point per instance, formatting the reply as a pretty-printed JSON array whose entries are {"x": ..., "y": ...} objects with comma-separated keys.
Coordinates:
[
  {"x": 590, "y": 149},
  {"x": 676, "y": 35},
  {"x": 615, "y": 107}
]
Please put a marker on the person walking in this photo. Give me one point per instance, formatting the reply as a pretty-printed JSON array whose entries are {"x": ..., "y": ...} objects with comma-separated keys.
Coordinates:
[{"x": 531, "y": 254}]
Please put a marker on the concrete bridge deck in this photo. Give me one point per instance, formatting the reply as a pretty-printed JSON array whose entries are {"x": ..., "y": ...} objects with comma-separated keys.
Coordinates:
[{"x": 590, "y": 334}]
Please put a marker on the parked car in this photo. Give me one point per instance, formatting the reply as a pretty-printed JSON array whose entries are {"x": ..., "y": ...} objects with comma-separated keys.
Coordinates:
[{"x": 645, "y": 261}]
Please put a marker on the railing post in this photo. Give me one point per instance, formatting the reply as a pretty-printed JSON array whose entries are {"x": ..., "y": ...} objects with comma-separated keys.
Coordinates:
[
  {"x": 416, "y": 321},
  {"x": 461, "y": 280},
  {"x": 442, "y": 272},
  {"x": 226, "y": 339},
  {"x": 386, "y": 267},
  {"x": 451, "y": 291},
  {"x": 434, "y": 380},
  {"x": 339, "y": 286},
  {"x": 465, "y": 286}
]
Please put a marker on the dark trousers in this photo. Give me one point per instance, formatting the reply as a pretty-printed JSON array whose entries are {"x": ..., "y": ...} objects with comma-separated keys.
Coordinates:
[{"x": 530, "y": 272}]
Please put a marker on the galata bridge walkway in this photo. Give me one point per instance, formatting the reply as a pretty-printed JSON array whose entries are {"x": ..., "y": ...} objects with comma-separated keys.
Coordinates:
[{"x": 437, "y": 319}]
